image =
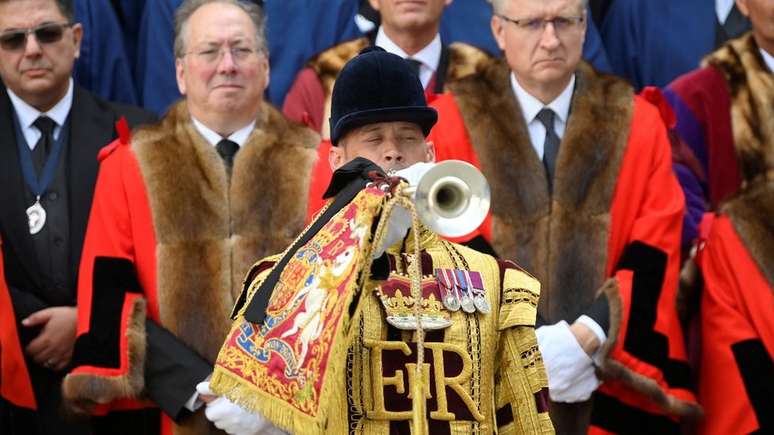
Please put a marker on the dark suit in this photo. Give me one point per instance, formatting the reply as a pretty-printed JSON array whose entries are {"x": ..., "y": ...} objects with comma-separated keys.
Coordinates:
[{"x": 91, "y": 126}]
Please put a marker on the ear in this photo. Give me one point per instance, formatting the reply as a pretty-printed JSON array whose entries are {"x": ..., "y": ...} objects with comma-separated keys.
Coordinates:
[
  {"x": 498, "y": 31},
  {"x": 336, "y": 157},
  {"x": 448, "y": 2},
  {"x": 77, "y": 38},
  {"x": 430, "y": 152},
  {"x": 374, "y": 4},
  {"x": 180, "y": 75},
  {"x": 744, "y": 8},
  {"x": 266, "y": 70}
]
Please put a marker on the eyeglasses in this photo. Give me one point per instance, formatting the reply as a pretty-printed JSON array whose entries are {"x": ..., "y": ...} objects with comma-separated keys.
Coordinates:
[
  {"x": 215, "y": 54},
  {"x": 48, "y": 33},
  {"x": 538, "y": 25}
]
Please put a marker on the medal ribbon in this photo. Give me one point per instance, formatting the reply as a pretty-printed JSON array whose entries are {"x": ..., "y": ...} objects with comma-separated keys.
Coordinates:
[{"x": 38, "y": 185}]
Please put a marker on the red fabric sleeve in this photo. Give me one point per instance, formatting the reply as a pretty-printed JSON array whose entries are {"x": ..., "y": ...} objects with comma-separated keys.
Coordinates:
[
  {"x": 644, "y": 256},
  {"x": 15, "y": 384},
  {"x": 305, "y": 101},
  {"x": 737, "y": 306}
]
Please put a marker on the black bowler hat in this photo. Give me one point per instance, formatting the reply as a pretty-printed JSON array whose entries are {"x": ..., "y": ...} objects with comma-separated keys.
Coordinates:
[{"x": 377, "y": 86}]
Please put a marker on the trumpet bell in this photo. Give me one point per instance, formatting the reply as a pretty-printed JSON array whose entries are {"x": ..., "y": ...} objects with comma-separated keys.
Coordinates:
[{"x": 452, "y": 198}]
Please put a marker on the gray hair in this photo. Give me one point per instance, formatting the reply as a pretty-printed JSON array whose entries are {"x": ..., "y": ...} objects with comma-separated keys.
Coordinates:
[
  {"x": 184, "y": 12},
  {"x": 499, "y": 5}
]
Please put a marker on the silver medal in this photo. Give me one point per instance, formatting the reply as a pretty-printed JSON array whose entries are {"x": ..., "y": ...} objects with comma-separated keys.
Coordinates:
[
  {"x": 36, "y": 217},
  {"x": 467, "y": 303},
  {"x": 481, "y": 304}
]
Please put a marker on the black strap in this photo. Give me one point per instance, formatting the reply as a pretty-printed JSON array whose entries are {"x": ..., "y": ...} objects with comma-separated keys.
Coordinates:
[{"x": 354, "y": 177}]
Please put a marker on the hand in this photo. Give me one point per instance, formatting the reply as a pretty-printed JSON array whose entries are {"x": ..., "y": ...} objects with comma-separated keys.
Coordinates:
[
  {"x": 235, "y": 420},
  {"x": 205, "y": 394},
  {"x": 400, "y": 219},
  {"x": 586, "y": 338},
  {"x": 571, "y": 375},
  {"x": 53, "y": 347}
]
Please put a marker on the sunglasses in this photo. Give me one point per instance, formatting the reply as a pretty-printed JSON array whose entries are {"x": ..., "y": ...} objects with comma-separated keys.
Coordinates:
[{"x": 48, "y": 33}]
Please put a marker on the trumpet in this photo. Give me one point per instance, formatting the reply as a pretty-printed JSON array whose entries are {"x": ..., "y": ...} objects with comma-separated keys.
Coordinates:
[{"x": 452, "y": 198}]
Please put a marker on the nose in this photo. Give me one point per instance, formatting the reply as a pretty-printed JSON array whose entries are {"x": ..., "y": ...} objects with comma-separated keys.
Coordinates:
[
  {"x": 227, "y": 63},
  {"x": 549, "y": 40},
  {"x": 31, "y": 46},
  {"x": 392, "y": 153}
]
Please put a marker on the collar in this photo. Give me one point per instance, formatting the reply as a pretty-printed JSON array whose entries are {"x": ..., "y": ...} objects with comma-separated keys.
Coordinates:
[
  {"x": 239, "y": 137},
  {"x": 723, "y": 9},
  {"x": 28, "y": 114},
  {"x": 430, "y": 55},
  {"x": 768, "y": 59},
  {"x": 530, "y": 106}
]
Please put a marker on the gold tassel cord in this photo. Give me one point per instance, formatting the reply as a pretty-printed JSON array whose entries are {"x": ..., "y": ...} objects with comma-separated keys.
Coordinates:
[{"x": 402, "y": 197}]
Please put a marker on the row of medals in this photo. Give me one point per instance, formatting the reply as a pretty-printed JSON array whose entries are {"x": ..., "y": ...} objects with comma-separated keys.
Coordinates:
[{"x": 457, "y": 292}]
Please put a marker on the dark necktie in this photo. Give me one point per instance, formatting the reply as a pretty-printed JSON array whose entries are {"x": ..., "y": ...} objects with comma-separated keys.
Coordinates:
[
  {"x": 550, "y": 145},
  {"x": 46, "y": 127},
  {"x": 414, "y": 64},
  {"x": 227, "y": 149}
]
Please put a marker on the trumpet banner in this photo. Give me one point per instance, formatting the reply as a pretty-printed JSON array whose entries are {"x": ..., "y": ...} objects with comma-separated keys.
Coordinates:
[{"x": 290, "y": 368}]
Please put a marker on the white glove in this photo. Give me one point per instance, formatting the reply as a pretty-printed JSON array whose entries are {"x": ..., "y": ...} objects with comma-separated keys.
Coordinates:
[
  {"x": 232, "y": 418},
  {"x": 400, "y": 219},
  {"x": 570, "y": 370}
]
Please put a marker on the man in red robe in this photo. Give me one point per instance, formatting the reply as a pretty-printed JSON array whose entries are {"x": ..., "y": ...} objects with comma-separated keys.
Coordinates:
[
  {"x": 584, "y": 197},
  {"x": 725, "y": 113},
  {"x": 181, "y": 210}
]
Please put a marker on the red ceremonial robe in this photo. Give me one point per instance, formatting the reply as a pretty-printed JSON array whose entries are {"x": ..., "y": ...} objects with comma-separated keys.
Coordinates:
[
  {"x": 611, "y": 226},
  {"x": 171, "y": 237},
  {"x": 15, "y": 384},
  {"x": 736, "y": 382}
]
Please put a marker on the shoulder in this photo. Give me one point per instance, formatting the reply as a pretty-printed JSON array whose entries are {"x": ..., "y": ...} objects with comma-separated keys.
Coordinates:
[
  {"x": 465, "y": 60},
  {"x": 332, "y": 60},
  {"x": 134, "y": 115},
  {"x": 290, "y": 133}
]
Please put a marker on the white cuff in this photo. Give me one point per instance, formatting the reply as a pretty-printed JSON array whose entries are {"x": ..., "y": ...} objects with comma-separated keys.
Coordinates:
[
  {"x": 595, "y": 328},
  {"x": 193, "y": 403}
]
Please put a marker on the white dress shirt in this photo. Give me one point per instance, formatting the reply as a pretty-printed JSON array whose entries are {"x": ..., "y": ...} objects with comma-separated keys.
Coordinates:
[
  {"x": 429, "y": 56},
  {"x": 239, "y": 137},
  {"x": 28, "y": 114},
  {"x": 531, "y": 106},
  {"x": 768, "y": 59}
]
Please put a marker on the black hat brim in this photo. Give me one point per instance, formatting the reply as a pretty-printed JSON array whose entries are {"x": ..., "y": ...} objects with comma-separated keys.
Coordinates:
[{"x": 424, "y": 117}]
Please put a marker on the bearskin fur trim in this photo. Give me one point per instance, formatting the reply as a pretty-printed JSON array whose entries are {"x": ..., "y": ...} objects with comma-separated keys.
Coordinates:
[
  {"x": 561, "y": 239},
  {"x": 751, "y": 86},
  {"x": 82, "y": 390},
  {"x": 751, "y": 211},
  {"x": 210, "y": 229},
  {"x": 464, "y": 60}
]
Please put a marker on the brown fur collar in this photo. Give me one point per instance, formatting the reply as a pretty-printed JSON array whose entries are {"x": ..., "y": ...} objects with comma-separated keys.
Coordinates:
[
  {"x": 209, "y": 231},
  {"x": 751, "y": 212},
  {"x": 751, "y": 85},
  {"x": 562, "y": 239},
  {"x": 464, "y": 60}
]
